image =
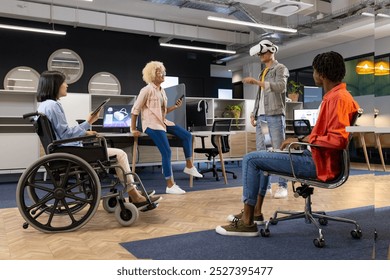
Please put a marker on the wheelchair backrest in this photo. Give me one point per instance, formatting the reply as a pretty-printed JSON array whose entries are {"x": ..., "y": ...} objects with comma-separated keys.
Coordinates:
[{"x": 44, "y": 130}]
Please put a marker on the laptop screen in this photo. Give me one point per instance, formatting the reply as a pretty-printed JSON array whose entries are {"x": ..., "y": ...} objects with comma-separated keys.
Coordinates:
[
  {"x": 306, "y": 114},
  {"x": 117, "y": 116}
]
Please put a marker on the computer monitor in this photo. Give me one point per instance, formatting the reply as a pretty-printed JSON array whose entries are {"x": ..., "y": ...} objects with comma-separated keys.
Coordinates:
[
  {"x": 117, "y": 116},
  {"x": 307, "y": 114},
  {"x": 312, "y": 97},
  {"x": 196, "y": 115}
]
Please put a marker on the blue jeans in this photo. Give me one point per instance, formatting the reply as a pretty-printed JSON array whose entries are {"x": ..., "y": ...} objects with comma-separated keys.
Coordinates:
[
  {"x": 277, "y": 133},
  {"x": 255, "y": 163},
  {"x": 160, "y": 139}
]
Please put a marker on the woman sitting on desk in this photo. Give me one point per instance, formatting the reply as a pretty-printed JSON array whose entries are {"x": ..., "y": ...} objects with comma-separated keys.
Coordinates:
[
  {"x": 51, "y": 88},
  {"x": 152, "y": 104}
]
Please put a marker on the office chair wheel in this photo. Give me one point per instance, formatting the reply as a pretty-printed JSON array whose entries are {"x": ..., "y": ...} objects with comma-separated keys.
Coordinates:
[
  {"x": 234, "y": 176},
  {"x": 323, "y": 221},
  {"x": 63, "y": 201},
  {"x": 265, "y": 232},
  {"x": 109, "y": 204},
  {"x": 356, "y": 233},
  {"x": 128, "y": 215},
  {"x": 319, "y": 242}
]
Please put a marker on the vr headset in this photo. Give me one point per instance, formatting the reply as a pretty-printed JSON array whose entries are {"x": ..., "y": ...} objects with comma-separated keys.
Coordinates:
[{"x": 263, "y": 47}]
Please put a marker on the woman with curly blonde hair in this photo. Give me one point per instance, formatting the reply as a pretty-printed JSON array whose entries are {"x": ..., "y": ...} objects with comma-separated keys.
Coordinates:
[{"x": 152, "y": 104}]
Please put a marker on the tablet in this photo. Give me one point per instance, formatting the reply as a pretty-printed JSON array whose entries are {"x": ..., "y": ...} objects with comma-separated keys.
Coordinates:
[
  {"x": 293, "y": 151},
  {"x": 100, "y": 106}
]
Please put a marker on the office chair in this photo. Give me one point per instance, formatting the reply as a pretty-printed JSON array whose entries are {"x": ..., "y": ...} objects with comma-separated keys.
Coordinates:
[
  {"x": 306, "y": 190},
  {"x": 212, "y": 152}
]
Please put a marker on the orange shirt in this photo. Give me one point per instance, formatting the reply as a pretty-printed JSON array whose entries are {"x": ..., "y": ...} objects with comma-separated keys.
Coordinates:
[{"x": 336, "y": 112}]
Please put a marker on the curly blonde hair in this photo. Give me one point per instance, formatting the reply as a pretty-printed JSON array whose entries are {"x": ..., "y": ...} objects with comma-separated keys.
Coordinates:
[{"x": 149, "y": 71}]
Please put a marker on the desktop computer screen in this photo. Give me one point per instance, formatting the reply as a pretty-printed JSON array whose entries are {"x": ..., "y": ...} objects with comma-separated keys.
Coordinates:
[
  {"x": 117, "y": 116},
  {"x": 307, "y": 114}
]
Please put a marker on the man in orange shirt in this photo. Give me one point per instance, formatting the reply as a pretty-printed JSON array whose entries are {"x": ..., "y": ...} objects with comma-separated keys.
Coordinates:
[{"x": 337, "y": 110}]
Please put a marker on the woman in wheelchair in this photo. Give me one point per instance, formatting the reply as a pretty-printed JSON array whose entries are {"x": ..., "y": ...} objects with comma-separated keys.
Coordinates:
[
  {"x": 51, "y": 88},
  {"x": 338, "y": 110}
]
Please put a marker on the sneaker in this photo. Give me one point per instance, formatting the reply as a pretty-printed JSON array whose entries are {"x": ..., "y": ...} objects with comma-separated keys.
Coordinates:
[
  {"x": 238, "y": 228},
  {"x": 175, "y": 189},
  {"x": 150, "y": 193},
  {"x": 281, "y": 193},
  {"x": 269, "y": 192},
  {"x": 144, "y": 204},
  {"x": 259, "y": 220},
  {"x": 192, "y": 171}
]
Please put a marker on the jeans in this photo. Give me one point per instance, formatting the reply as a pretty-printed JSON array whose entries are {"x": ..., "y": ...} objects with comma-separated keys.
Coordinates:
[
  {"x": 277, "y": 132},
  {"x": 255, "y": 163},
  {"x": 160, "y": 139}
]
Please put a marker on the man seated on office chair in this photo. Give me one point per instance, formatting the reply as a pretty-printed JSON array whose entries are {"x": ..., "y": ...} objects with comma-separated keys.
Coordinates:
[{"x": 337, "y": 110}]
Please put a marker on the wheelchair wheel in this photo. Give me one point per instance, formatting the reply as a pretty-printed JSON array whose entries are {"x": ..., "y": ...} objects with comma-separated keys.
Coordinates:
[
  {"x": 66, "y": 200},
  {"x": 110, "y": 204},
  {"x": 128, "y": 216}
]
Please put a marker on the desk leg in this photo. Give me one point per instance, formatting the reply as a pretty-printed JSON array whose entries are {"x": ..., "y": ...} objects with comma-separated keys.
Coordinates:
[
  {"x": 379, "y": 146},
  {"x": 221, "y": 158},
  {"x": 135, "y": 151},
  {"x": 363, "y": 141},
  {"x": 193, "y": 146}
]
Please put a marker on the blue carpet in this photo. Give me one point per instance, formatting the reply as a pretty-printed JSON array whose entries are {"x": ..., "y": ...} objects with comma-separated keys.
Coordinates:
[{"x": 289, "y": 240}]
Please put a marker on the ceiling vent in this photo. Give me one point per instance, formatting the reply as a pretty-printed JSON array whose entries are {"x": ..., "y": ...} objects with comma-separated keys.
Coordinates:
[{"x": 285, "y": 8}]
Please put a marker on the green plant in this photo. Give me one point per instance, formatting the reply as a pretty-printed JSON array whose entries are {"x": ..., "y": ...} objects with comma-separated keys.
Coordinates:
[
  {"x": 295, "y": 87},
  {"x": 235, "y": 111}
]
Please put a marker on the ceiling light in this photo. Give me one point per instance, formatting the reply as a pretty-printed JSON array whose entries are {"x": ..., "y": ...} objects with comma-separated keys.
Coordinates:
[
  {"x": 252, "y": 24},
  {"x": 30, "y": 29},
  {"x": 383, "y": 15},
  {"x": 196, "y": 48},
  {"x": 382, "y": 68},
  {"x": 368, "y": 14},
  {"x": 365, "y": 67}
]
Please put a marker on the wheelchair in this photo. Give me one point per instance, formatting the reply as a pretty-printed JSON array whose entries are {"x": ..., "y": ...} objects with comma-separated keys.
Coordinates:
[{"x": 62, "y": 190}]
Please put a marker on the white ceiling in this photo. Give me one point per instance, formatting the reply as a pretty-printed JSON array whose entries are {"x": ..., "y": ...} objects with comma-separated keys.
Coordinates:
[{"x": 152, "y": 17}]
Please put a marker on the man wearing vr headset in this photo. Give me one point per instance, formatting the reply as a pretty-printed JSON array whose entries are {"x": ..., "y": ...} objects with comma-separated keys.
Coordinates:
[{"x": 270, "y": 107}]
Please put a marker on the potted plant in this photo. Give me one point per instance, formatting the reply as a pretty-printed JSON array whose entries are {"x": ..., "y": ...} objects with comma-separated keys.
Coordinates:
[
  {"x": 234, "y": 111},
  {"x": 294, "y": 89}
]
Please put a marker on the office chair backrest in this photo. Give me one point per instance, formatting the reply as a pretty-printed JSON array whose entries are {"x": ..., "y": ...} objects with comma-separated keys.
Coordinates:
[
  {"x": 221, "y": 125},
  {"x": 301, "y": 127}
]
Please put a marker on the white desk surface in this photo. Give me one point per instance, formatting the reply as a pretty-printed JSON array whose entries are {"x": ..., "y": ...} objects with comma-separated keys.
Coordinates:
[
  {"x": 208, "y": 133},
  {"x": 384, "y": 129},
  {"x": 360, "y": 128},
  {"x": 111, "y": 134}
]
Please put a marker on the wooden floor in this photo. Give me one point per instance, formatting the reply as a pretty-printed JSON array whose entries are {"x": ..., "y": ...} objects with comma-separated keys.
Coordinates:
[{"x": 194, "y": 211}]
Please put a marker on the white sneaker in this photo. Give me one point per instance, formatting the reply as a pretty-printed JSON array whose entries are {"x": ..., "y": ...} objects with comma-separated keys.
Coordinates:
[
  {"x": 192, "y": 171},
  {"x": 175, "y": 189},
  {"x": 281, "y": 193},
  {"x": 269, "y": 192}
]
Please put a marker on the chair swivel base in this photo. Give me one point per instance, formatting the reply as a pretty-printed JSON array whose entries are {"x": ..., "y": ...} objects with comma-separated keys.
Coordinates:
[{"x": 310, "y": 217}]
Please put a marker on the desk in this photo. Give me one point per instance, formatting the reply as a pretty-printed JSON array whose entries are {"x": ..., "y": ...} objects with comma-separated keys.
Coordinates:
[
  {"x": 212, "y": 133},
  {"x": 361, "y": 131},
  {"x": 378, "y": 132}
]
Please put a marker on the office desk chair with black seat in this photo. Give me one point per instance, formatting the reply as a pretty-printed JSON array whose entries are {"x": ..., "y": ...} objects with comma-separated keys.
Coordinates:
[
  {"x": 306, "y": 190},
  {"x": 212, "y": 152}
]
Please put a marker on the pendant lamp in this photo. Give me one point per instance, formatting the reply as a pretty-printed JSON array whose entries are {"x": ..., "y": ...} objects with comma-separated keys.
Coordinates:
[
  {"x": 365, "y": 67},
  {"x": 382, "y": 68}
]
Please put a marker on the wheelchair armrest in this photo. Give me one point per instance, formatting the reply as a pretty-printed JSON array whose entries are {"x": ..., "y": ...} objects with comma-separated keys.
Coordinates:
[{"x": 74, "y": 139}]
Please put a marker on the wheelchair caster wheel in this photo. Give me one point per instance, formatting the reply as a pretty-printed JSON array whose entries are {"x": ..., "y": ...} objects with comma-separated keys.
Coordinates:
[
  {"x": 356, "y": 234},
  {"x": 319, "y": 242},
  {"x": 128, "y": 216},
  {"x": 234, "y": 176},
  {"x": 265, "y": 232},
  {"x": 323, "y": 221},
  {"x": 273, "y": 221},
  {"x": 109, "y": 204}
]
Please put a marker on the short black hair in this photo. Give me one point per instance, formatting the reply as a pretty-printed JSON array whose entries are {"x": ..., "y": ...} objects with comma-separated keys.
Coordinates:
[
  {"x": 49, "y": 85},
  {"x": 330, "y": 65}
]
